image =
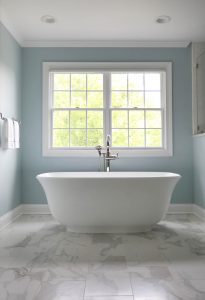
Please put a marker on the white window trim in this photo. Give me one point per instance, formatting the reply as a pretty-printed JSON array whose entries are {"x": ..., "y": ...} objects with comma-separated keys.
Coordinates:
[{"x": 106, "y": 66}]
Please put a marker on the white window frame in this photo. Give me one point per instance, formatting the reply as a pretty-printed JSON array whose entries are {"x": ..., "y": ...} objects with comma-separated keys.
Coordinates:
[{"x": 165, "y": 67}]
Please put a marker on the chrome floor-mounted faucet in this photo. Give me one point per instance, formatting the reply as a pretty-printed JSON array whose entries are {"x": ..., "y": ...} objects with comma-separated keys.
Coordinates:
[{"x": 107, "y": 156}]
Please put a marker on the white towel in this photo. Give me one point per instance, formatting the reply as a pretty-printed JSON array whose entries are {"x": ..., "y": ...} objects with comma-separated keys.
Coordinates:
[
  {"x": 16, "y": 134},
  {"x": 8, "y": 134}
]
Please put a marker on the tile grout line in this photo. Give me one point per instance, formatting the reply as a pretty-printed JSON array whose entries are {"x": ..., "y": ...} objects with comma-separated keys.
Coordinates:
[
  {"x": 85, "y": 288},
  {"x": 131, "y": 285}
]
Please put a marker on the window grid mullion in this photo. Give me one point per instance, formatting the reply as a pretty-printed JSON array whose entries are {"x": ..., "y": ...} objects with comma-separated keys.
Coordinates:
[
  {"x": 115, "y": 108},
  {"x": 51, "y": 103},
  {"x": 145, "y": 132},
  {"x": 163, "y": 104},
  {"x": 128, "y": 114},
  {"x": 137, "y": 109},
  {"x": 107, "y": 104},
  {"x": 86, "y": 131},
  {"x": 70, "y": 113}
]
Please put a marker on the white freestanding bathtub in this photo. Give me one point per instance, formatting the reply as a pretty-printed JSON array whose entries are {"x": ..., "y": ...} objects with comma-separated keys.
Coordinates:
[{"x": 108, "y": 201}]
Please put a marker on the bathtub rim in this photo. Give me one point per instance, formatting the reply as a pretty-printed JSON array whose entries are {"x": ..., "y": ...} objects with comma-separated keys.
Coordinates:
[{"x": 104, "y": 175}]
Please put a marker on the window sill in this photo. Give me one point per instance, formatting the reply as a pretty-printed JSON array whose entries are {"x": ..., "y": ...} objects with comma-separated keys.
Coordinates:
[{"x": 122, "y": 153}]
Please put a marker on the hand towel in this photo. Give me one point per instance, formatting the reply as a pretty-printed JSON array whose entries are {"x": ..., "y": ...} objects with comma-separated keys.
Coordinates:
[
  {"x": 16, "y": 134},
  {"x": 8, "y": 134}
]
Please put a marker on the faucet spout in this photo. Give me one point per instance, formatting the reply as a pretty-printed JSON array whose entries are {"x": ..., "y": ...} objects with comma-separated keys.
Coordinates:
[{"x": 107, "y": 154}]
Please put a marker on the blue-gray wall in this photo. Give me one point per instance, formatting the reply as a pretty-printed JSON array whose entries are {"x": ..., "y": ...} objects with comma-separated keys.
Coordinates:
[
  {"x": 199, "y": 169},
  {"x": 10, "y": 105},
  {"x": 32, "y": 161}
]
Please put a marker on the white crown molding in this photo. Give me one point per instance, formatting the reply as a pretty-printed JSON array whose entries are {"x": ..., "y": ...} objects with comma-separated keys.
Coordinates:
[
  {"x": 10, "y": 27},
  {"x": 43, "y": 209},
  {"x": 106, "y": 44}
]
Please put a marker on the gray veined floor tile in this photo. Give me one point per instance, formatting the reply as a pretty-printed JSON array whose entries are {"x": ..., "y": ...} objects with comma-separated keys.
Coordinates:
[
  {"x": 109, "y": 264},
  {"x": 109, "y": 298},
  {"x": 40, "y": 259},
  {"x": 108, "y": 284},
  {"x": 27, "y": 284},
  {"x": 152, "y": 272},
  {"x": 163, "y": 290},
  {"x": 72, "y": 290},
  {"x": 188, "y": 269}
]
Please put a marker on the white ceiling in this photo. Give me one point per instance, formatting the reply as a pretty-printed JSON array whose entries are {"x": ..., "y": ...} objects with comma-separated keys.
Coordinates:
[{"x": 107, "y": 20}]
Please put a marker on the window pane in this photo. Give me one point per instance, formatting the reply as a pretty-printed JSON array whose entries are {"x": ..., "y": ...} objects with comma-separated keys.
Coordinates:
[
  {"x": 119, "y": 119},
  {"x": 152, "y": 81},
  {"x": 78, "y": 81},
  {"x": 78, "y": 119},
  {"x": 61, "y": 81},
  {"x": 154, "y": 138},
  {"x": 95, "y": 137},
  {"x": 61, "y": 119},
  {"x": 95, "y": 119},
  {"x": 136, "y": 99},
  {"x": 77, "y": 138},
  {"x": 95, "y": 99},
  {"x": 120, "y": 138},
  {"x": 136, "y": 138},
  {"x": 61, "y": 99},
  {"x": 78, "y": 99},
  {"x": 119, "y": 99},
  {"x": 136, "y": 119},
  {"x": 119, "y": 82},
  {"x": 140, "y": 128},
  {"x": 95, "y": 82},
  {"x": 152, "y": 99},
  {"x": 136, "y": 81},
  {"x": 153, "y": 119},
  {"x": 60, "y": 138}
]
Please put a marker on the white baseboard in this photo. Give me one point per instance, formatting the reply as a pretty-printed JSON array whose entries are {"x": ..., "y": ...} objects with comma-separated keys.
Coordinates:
[
  {"x": 10, "y": 216},
  {"x": 43, "y": 209},
  {"x": 181, "y": 209},
  {"x": 199, "y": 211},
  {"x": 35, "y": 209}
]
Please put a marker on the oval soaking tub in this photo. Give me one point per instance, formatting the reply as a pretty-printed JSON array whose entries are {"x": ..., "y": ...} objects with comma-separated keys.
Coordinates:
[{"x": 108, "y": 201}]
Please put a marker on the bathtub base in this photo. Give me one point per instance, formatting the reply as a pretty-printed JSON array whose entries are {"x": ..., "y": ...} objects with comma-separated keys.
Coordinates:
[{"x": 104, "y": 229}]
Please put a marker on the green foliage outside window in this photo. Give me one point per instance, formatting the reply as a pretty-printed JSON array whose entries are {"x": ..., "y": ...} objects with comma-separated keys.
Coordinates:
[{"x": 78, "y": 115}]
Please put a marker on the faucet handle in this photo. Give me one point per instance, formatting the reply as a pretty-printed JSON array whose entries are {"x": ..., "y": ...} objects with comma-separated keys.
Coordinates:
[
  {"x": 112, "y": 156},
  {"x": 116, "y": 155},
  {"x": 99, "y": 148}
]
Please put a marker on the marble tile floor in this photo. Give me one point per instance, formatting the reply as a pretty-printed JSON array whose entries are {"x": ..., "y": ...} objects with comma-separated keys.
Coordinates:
[{"x": 40, "y": 259}]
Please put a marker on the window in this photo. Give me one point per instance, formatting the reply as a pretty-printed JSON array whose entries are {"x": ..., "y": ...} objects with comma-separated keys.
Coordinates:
[
  {"x": 77, "y": 110},
  {"x": 83, "y": 102}
]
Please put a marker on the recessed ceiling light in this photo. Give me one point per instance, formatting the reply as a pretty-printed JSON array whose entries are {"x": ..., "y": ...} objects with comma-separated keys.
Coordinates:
[
  {"x": 48, "y": 19},
  {"x": 163, "y": 19}
]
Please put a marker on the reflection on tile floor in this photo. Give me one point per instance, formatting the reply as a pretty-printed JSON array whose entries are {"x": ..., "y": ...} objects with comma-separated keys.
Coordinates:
[{"x": 40, "y": 259}]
